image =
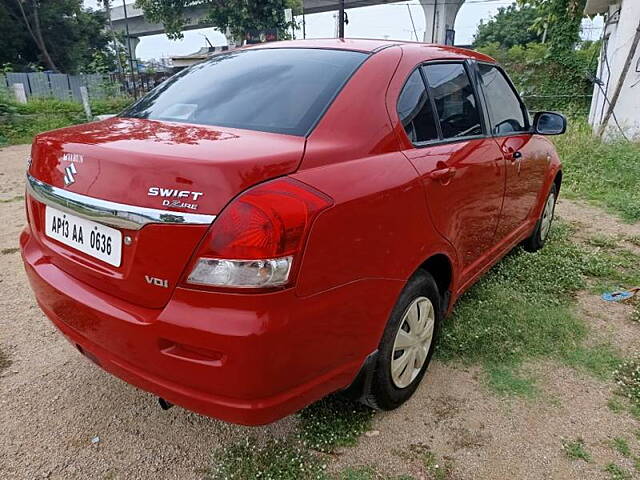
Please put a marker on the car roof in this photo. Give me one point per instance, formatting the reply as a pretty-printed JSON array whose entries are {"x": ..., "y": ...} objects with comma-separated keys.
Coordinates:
[{"x": 369, "y": 45}]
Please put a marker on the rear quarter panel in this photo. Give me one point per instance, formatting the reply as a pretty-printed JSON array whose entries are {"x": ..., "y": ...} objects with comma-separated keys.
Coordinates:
[{"x": 378, "y": 228}]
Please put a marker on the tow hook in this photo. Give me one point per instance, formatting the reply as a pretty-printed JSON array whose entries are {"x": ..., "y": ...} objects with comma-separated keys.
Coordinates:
[{"x": 164, "y": 404}]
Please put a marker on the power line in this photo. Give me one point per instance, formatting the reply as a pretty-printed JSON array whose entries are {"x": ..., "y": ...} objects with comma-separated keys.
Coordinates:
[{"x": 372, "y": 3}]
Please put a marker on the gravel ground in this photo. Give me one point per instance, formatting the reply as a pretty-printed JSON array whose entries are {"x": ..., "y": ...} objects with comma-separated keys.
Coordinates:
[{"x": 62, "y": 417}]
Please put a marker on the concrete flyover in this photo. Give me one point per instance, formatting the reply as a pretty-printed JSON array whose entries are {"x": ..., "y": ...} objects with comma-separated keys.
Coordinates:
[{"x": 440, "y": 17}]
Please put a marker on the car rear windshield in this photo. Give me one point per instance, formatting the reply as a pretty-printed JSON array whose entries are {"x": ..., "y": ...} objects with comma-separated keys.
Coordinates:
[{"x": 270, "y": 90}]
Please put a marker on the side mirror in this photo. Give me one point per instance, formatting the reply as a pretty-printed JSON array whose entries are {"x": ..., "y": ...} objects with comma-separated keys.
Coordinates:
[{"x": 549, "y": 123}]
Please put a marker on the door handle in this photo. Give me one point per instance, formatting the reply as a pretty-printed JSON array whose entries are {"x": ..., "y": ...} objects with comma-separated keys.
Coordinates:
[{"x": 443, "y": 174}]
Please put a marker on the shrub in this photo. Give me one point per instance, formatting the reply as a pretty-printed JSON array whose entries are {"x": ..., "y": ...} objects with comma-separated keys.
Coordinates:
[
  {"x": 547, "y": 82},
  {"x": 607, "y": 173},
  {"x": 19, "y": 123}
]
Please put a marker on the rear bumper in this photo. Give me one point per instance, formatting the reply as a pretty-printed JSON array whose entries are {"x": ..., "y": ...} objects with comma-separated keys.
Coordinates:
[{"x": 248, "y": 359}]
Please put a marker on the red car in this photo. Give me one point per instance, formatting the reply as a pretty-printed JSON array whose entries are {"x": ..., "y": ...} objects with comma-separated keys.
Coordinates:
[{"x": 285, "y": 221}]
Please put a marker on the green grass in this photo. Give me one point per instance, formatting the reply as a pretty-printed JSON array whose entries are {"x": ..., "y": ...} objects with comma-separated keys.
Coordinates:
[
  {"x": 54, "y": 106},
  {"x": 634, "y": 239},
  {"x": 598, "y": 360},
  {"x": 507, "y": 380},
  {"x": 603, "y": 241},
  {"x": 616, "y": 472},
  {"x": 41, "y": 115},
  {"x": 272, "y": 460},
  {"x": 605, "y": 173},
  {"x": 17, "y": 198},
  {"x": 627, "y": 377},
  {"x": 575, "y": 450},
  {"x": 368, "y": 473},
  {"x": 333, "y": 422},
  {"x": 438, "y": 469},
  {"x": 285, "y": 459},
  {"x": 359, "y": 473},
  {"x": 613, "y": 269},
  {"x": 622, "y": 446},
  {"x": 4, "y": 361},
  {"x": 21, "y": 130},
  {"x": 523, "y": 309},
  {"x": 616, "y": 406}
]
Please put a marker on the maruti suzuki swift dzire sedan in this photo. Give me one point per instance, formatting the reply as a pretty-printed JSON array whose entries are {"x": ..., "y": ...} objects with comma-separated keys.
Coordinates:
[{"x": 285, "y": 221}]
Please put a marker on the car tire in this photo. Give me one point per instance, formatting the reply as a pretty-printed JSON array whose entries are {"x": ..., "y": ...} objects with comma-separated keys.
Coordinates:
[
  {"x": 541, "y": 233},
  {"x": 417, "y": 313}
]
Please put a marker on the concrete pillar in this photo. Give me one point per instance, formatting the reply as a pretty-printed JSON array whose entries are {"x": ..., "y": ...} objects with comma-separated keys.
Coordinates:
[
  {"x": 440, "y": 16},
  {"x": 84, "y": 95},
  {"x": 134, "y": 44},
  {"x": 19, "y": 92}
]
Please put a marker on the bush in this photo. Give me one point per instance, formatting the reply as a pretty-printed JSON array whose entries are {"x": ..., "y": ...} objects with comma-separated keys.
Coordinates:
[
  {"x": 19, "y": 123},
  {"x": 547, "y": 82},
  {"x": 606, "y": 173}
]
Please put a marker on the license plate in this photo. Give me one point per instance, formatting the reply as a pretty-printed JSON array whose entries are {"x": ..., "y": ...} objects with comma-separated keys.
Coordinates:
[{"x": 94, "y": 239}]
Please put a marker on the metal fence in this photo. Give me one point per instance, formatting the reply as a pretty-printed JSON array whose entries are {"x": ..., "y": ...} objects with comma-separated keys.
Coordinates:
[
  {"x": 61, "y": 85},
  {"x": 67, "y": 87}
]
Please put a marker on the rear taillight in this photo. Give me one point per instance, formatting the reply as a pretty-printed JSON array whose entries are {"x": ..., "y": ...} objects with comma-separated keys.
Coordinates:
[{"x": 257, "y": 238}]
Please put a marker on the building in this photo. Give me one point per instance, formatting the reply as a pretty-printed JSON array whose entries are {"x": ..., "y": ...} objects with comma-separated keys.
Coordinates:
[
  {"x": 181, "y": 62},
  {"x": 616, "y": 97}
]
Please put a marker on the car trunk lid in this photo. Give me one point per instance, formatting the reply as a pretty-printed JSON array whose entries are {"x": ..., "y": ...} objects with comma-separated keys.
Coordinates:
[{"x": 179, "y": 171}]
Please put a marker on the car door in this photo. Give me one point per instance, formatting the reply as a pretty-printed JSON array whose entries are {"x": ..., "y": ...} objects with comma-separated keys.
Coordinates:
[
  {"x": 461, "y": 168},
  {"x": 524, "y": 154}
]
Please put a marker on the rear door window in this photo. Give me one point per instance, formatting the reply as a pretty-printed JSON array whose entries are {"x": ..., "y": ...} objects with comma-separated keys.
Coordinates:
[
  {"x": 280, "y": 90},
  {"x": 455, "y": 100},
  {"x": 415, "y": 112},
  {"x": 505, "y": 109}
]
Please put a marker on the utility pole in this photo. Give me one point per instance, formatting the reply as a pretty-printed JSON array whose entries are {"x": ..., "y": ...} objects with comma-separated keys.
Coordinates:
[
  {"x": 116, "y": 47},
  {"x": 435, "y": 19},
  {"x": 126, "y": 25},
  {"x": 341, "y": 20},
  {"x": 412, "y": 24}
]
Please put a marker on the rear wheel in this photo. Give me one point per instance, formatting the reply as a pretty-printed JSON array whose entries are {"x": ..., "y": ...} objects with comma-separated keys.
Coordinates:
[
  {"x": 407, "y": 344},
  {"x": 540, "y": 234}
]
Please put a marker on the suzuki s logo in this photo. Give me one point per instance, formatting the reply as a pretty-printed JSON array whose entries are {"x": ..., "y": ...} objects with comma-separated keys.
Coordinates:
[
  {"x": 158, "y": 282},
  {"x": 69, "y": 174}
]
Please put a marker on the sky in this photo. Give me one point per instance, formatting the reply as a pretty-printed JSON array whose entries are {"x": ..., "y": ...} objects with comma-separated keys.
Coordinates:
[{"x": 381, "y": 21}]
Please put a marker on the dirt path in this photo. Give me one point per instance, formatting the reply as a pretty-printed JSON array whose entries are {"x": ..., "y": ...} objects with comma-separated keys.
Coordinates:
[{"x": 53, "y": 402}]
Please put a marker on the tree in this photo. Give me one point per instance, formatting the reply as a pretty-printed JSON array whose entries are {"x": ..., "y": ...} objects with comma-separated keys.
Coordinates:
[
  {"x": 30, "y": 18},
  {"x": 511, "y": 26},
  {"x": 239, "y": 16},
  {"x": 59, "y": 35},
  {"x": 561, "y": 19}
]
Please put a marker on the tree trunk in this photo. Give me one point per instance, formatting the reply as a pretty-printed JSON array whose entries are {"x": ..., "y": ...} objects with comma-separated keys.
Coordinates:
[
  {"x": 38, "y": 31},
  {"x": 36, "y": 34}
]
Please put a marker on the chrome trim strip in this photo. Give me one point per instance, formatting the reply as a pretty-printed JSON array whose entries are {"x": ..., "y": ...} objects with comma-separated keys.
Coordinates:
[{"x": 114, "y": 214}]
